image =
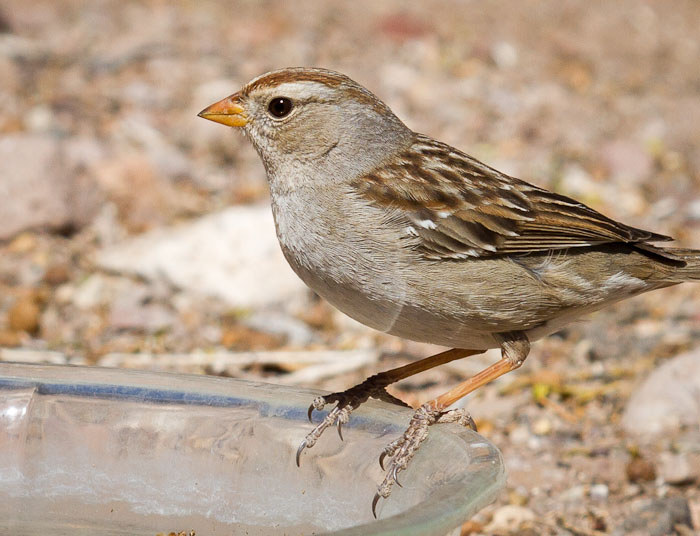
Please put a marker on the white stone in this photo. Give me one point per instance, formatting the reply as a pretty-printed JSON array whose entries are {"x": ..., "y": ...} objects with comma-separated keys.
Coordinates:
[
  {"x": 573, "y": 494},
  {"x": 668, "y": 399},
  {"x": 599, "y": 492},
  {"x": 232, "y": 255},
  {"x": 504, "y": 54},
  {"x": 35, "y": 182},
  {"x": 679, "y": 468},
  {"x": 509, "y": 518}
]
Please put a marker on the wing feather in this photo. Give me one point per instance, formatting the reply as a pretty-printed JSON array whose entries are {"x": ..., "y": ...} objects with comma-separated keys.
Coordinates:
[{"x": 459, "y": 207}]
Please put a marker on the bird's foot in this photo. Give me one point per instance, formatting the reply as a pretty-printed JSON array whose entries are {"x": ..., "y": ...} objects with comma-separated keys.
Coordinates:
[
  {"x": 346, "y": 402},
  {"x": 401, "y": 450}
]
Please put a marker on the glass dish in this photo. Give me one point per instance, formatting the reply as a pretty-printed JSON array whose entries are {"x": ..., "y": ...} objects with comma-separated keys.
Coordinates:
[{"x": 86, "y": 450}]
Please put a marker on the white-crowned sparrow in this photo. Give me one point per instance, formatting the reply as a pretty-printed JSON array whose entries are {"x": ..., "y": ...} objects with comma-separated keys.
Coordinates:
[{"x": 413, "y": 237}]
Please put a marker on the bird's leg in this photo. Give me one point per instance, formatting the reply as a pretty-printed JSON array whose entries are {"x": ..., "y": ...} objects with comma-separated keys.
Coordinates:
[
  {"x": 514, "y": 349},
  {"x": 375, "y": 387}
]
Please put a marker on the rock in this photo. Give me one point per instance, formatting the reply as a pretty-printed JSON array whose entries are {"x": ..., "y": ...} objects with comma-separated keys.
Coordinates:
[
  {"x": 144, "y": 317},
  {"x": 681, "y": 468},
  {"x": 693, "y": 210},
  {"x": 33, "y": 180},
  {"x": 92, "y": 291},
  {"x": 576, "y": 181},
  {"x": 44, "y": 192},
  {"x": 542, "y": 426},
  {"x": 519, "y": 496},
  {"x": 627, "y": 161},
  {"x": 10, "y": 79},
  {"x": 520, "y": 434},
  {"x": 240, "y": 337},
  {"x": 694, "y": 505},
  {"x": 401, "y": 26},
  {"x": 471, "y": 527},
  {"x": 657, "y": 517},
  {"x": 10, "y": 338},
  {"x": 668, "y": 399},
  {"x": 23, "y": 243},
  {"x": 5, "y": 25},
  {"x": 133, "y": 307},
  {"x": 57, "y": 274},
  {"x": 573, "y": 494},
  {"x": 24, "y": 315},
  {"x": 599, "y": 492},
  {"x": 295, "y": 332},
  {"x": 504, "y": 55},
  {"x": 40, "y": 119},
  {"x": 33, "y": 356},
  {"x": 142, "y": 196},
  {"x": 232, "y": 255},
  {"x": 304, "y": 367},
  {"x": 640, "y": 470},
  {"x": 510, "y": 518},
  {"x": 166, "y": 159}
]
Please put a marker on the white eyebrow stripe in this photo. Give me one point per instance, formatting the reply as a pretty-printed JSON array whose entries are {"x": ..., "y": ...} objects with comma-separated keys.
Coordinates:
[{"x": 302, "y": 90}]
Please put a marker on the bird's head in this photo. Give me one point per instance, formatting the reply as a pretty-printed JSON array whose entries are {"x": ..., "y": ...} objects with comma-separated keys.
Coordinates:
[{"x": 312, "y": 117}]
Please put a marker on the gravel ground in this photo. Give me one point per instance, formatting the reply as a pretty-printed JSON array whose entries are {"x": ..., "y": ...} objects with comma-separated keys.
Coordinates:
[{"x": 100, "y": 144}]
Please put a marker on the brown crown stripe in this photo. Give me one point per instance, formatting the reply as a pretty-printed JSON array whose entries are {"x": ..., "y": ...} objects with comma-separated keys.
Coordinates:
[
  {"x": 299, "y": 74},
  {"x": 321, "y": 76}
]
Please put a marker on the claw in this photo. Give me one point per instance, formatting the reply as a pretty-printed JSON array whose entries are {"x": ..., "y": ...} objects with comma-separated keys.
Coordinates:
[
  {"x": 395, "y": 476},
  {"x": 374, "y": 504},
  {"x": 340, "y": 429},
  {"x": 300, "y": 450},
  {"x": 310, "y": 412},
  {"x": 381, "y": 459}
]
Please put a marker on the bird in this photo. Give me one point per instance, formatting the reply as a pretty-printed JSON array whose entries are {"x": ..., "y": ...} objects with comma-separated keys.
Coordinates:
[{"x": 415, "y": 238}]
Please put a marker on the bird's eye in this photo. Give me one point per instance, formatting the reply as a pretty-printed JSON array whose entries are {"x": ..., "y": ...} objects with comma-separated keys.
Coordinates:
[{"x": 280, "y": 107}]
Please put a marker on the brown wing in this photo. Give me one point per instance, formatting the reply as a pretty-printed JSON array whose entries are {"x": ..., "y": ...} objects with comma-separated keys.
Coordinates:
[{"x": 459, "y": 207}]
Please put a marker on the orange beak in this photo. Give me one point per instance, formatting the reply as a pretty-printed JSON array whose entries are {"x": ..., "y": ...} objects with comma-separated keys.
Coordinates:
[{"x": 228, "y": 112}]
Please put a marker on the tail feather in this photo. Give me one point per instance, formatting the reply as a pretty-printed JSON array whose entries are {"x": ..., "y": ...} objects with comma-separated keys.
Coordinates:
[
  {"x": 679, "y": 264},
  {"x": 691, "y": 270},
  {"x": 691, "y": 257}
]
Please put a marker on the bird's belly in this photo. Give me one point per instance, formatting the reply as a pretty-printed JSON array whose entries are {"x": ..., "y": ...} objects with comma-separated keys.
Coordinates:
[{"x": 389, "y": 308}]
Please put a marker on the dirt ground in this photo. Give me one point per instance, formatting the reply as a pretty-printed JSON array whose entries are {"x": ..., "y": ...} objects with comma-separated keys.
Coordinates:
[{"x": 596, "y": 100}]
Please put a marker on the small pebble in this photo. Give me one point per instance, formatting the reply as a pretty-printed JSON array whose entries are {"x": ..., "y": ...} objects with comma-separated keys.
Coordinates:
[
  {"x": 573, "y": 494},
  {"x": 520, "y": 434},
  {"x": 640, "y": 470},
  {"x": 509, "y": 518},
  {"x": 504, "y": 55},
  {"x": 23, "y": 243},
  {"x": 24, "y": 315},
  {"x": 657, "y": 517},
  {"x": 10, "y": 338},
  {"x": 56, "y": 274},
  {"x": 677, "y": 469},
  {"x": 599, "y": 492},
  {"x": 471, "y": 527},
  {"x": 542, "y": 426},
  {"x": 518, "y": 497}
]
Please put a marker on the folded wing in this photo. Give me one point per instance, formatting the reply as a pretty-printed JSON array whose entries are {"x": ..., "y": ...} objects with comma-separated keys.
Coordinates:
[{"x": 459, "y": 207}]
